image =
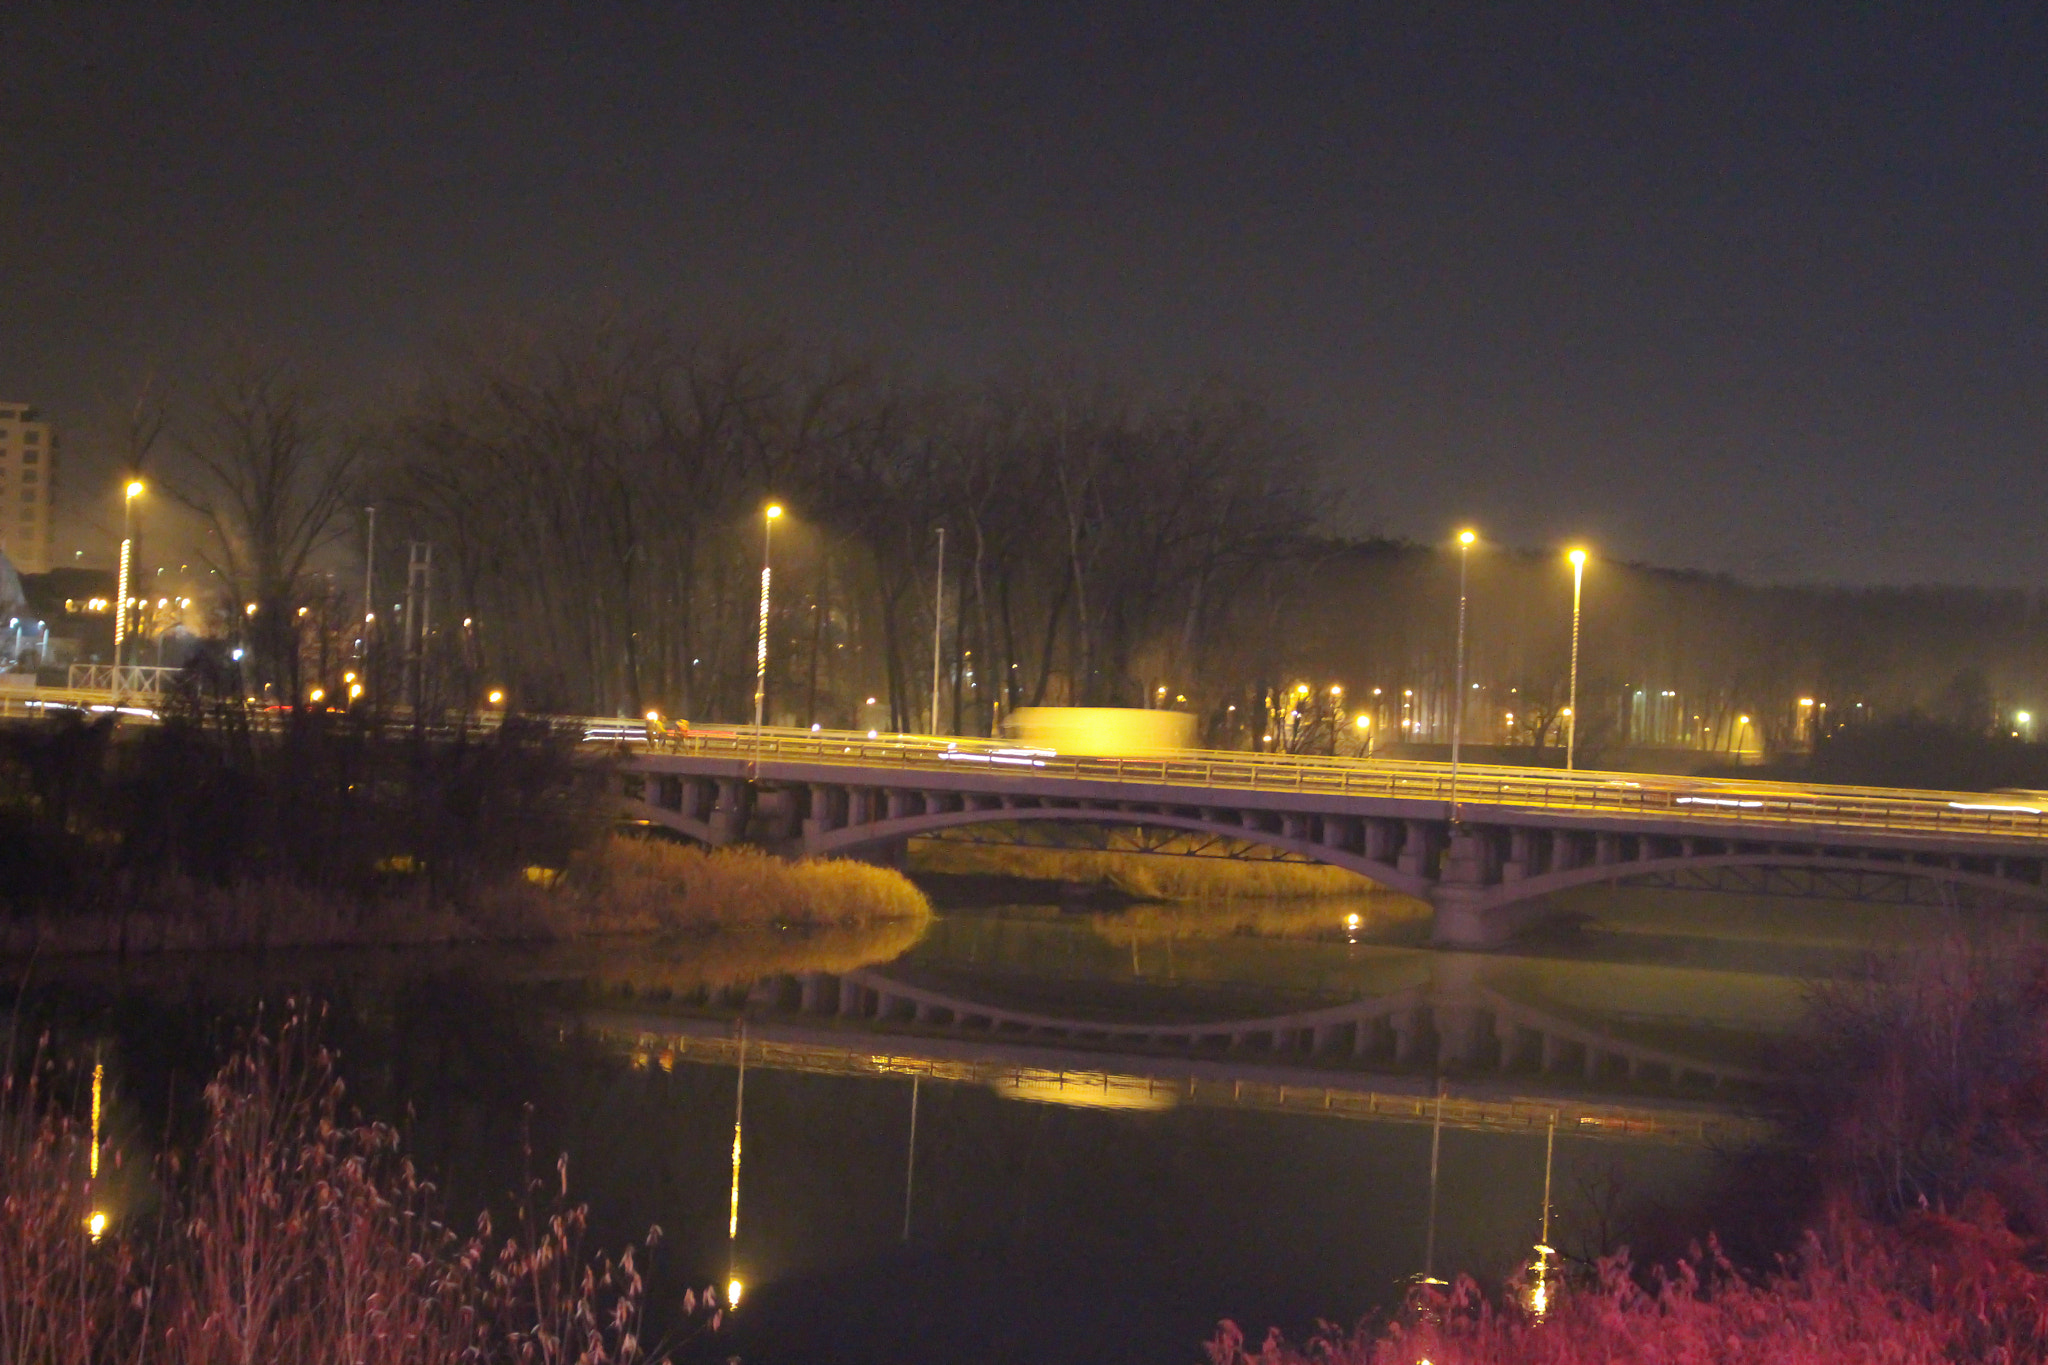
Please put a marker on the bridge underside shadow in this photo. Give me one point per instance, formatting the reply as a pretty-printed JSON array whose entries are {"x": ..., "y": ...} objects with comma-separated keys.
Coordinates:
[{"x": 1486, "y": 879}]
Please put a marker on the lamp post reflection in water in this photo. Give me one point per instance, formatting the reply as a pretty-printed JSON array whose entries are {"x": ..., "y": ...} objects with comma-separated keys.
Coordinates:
[
  {"x": 1436, "y": 1144},
  {"x": 732, "y": 1232},
  {"x": 910, "y": 1163},
  {"x": 1539, "y": 1269}
]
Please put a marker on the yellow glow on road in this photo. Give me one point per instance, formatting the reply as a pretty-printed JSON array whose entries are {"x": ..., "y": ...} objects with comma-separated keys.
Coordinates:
[{"x": 733, "y": 1289}]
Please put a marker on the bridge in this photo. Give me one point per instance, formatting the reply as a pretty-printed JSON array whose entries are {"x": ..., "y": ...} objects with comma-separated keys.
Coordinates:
[
  {"x": 1486, "y": 853},
  {"x": 1487, "y": 850}
]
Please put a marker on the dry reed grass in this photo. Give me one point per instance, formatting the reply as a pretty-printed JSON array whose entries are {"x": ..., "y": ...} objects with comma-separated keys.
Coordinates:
[
  {"x": 1147, "y": 876},
  {"x": 1935, "y": 1291},
  {"x": 633, "y": 885},
  {"x": 293, "y": 1233},
  {"x": 1335, "y": 917}
]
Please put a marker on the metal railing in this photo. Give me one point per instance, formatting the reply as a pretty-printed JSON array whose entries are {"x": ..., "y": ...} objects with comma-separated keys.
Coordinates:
[
  {"x": 1708, "y": 803},
  {"x": 1712, "y": 805}
]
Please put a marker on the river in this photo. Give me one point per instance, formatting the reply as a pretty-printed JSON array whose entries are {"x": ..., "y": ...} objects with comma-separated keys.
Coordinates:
[{"x": 1068, "y": 1199}]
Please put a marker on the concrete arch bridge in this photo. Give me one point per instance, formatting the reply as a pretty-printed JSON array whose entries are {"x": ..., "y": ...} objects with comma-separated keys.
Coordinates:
[{"x": 1485, "y": 849}]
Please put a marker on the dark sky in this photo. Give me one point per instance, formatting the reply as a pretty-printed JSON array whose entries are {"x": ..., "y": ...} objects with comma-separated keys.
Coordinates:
[{"x": 1735, "y": 289}]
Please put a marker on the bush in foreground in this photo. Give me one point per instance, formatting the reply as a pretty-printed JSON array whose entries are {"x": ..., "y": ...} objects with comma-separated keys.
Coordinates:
[
  {"x": 290, "y": 1233},
  {"x": 1936, "y": 1289}
]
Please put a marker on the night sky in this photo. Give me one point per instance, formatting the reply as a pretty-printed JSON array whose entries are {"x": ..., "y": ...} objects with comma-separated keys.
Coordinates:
[{"x": 1717, "y": 288}]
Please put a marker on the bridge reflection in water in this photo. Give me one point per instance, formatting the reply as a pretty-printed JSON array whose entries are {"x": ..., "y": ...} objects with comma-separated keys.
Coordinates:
[{"x": 1505, "y": 1066}]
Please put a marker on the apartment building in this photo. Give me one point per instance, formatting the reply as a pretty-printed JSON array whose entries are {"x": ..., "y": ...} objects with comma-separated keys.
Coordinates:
[{"x": 28, "y": 475}]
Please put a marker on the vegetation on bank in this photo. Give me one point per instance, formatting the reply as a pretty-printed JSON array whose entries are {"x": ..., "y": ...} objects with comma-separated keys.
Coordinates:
[
  {"x": 1904, "y": 1219},
  {"x": 338, "y": 830},
  {"x": 289, "y": 1230},
  {"x": 1337, "y": 917},
  {"x": 1162, "y": 875},
  {"x": 623, "y": 885}
]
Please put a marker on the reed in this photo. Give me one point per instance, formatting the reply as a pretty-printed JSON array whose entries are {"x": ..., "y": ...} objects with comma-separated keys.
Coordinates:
[
  {"x": 635, "y": 885},
  {"x": 1336, "y": 917},
  {"x": 293, "y": 1232},
  {"x": 1164, "y": 876},
  {"x": 622, "y": 885},
  {"x": 1936, "y": 1290}
]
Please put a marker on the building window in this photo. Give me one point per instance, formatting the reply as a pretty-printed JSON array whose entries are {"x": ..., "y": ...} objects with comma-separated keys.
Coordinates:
[
  {"x": 28, "y": 476},
  {"x": 31, "y": 456}
]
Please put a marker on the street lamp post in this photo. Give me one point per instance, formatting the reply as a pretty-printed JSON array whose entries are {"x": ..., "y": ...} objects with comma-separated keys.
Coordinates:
[
  {"x": 938, "y": 624},
  {"x": 1571, "y": 711},
  {"x": 1465, "y": 539},
  {"x": 133, "y": 490},
  {"x": 761, "y": 639}
]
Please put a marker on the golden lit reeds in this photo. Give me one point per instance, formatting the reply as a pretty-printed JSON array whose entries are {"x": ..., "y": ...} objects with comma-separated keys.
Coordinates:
[
  {"x": 633, "y": 885},
  {"x": 1336, "y": 917},
  {"x": 1163, "y": 875}
]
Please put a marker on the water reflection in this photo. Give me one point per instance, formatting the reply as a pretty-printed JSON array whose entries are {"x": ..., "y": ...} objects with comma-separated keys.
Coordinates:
[{"x": 914, "y": 1195}]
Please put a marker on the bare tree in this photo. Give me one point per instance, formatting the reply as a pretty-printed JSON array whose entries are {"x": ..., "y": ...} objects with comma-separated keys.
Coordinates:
[{"x": 269, "y": 476}]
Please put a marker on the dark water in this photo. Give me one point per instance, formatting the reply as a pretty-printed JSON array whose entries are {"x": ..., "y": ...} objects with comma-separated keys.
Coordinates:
[{"x": 1039, "y": 1231}]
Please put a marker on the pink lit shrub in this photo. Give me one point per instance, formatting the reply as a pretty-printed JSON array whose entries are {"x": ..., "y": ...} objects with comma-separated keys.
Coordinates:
[
  {"x": 1937, "y": 1289},
  {"x": 291, "y": 1233}
]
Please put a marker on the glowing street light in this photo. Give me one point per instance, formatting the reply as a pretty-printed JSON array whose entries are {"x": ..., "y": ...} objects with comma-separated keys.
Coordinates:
[
  {"x": 1571, "y": 730},
  {"x": 1465, "y": 541},
  {"x": 132, "y": 492},
  {"x": 768, "y": 519}
]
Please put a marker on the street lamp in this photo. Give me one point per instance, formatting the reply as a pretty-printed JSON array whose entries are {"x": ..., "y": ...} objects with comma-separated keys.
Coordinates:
[
  {"x": 761, "y": 640},
  {"x": 1571, "y": 729},
  {"x": 132, "y": 492},
  {"x": 1465, "y": 540},
  {"x": 939, "y": 624}
]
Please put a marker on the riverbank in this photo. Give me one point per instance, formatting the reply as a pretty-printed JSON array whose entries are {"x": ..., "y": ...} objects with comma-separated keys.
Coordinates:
[{"x": 621, "y": 886}]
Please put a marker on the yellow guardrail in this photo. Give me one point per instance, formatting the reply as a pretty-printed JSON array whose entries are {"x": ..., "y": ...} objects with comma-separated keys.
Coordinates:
[{"x": 1709, "y": 803}]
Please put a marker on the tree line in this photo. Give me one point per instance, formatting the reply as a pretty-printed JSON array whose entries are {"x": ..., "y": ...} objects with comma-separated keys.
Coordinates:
[{"x": 596, "y": 499}]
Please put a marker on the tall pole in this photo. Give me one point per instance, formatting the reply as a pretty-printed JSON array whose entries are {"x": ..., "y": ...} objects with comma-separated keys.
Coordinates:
[
  {"x": 130, "y": 493},
  {"x": 938, "y": 624},
  {"x": 369, "y": 592},
  {"x": 1571, "y": 712},
  {"x": 1465, "y": 539},
  {"x": 761, "y": 640}
]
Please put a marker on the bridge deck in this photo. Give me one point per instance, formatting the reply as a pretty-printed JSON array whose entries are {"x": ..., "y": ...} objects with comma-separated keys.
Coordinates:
[{"x": 1717, "y": 805}]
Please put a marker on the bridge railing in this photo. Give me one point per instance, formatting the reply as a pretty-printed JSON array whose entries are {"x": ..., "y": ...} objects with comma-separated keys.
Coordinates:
[{"x": 1712, "y": 803}]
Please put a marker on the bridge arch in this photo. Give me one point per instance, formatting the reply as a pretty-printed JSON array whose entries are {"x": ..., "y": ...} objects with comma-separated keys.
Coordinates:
[{"x": 1617, "y": 873}]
